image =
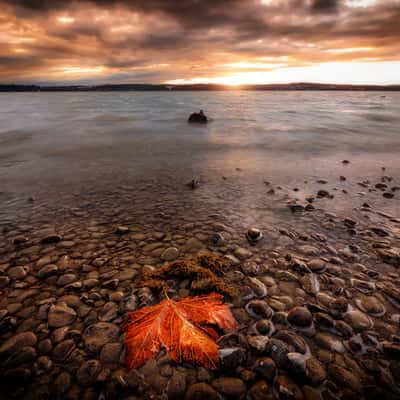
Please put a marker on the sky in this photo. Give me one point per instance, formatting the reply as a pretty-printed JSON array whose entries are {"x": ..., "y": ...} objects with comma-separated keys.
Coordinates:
[{"x": 230, "y": 42}]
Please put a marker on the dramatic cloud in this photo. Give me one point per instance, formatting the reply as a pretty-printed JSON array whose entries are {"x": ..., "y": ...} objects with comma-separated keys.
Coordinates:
[{"x": 230, "y": 41}]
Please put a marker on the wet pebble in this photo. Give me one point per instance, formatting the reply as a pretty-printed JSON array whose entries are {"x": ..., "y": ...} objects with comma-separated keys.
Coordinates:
[
  {"x": 345, "y": 378},
  {"x": 358, "y": 320},
  {"x": 17, "y": 272},
  {"x": 60, "y": 315},
  {"x": 200, "y": 391},
  {"x": 88, "y": 372},
  {"x": 170, "y": 254},
  {"x": 48, "y": 270},
  {"x": 231, "y": 388},
  {"x": 300, "y": 317},
  {"x": 370, "y": 305},
  {"x": 97, "y": 335},
  {"x": 259, "y": 309}
]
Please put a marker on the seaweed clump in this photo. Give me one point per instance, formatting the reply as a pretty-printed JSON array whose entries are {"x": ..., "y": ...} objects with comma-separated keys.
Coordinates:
[{"x": 203, "y": 274}]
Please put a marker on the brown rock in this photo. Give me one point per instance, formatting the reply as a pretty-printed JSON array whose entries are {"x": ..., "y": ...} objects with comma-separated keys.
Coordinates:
[
  {"x": 287, "y": 389},
  {"x": 261, "y": 391},
  {"x": 300, "y": 316},
  {"x": 315, "y": 371},
  {"x": 201, "y": 391},
  {"x": 88, "y": 372},
  {"x": 266, "y": 368},
  {"x": 60, "y": 315},
  {"x": 176, "y": 386},
  {"x": 358, "y": 320},
  {"x": 62, "y": 383},
  {"x": 345, "y": 378},
  {"x": 62, "y": 350},
  {"x": 311, "y": 394},
  {"x": 15, "y": 342},
  {"x": 231, "y": 388},
  {"x": 110, "y": 353},
  {"x": 97, "y": 335}
]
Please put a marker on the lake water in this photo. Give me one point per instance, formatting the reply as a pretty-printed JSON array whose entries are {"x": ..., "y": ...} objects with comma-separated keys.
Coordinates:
[{"x": 55, "y": 143}]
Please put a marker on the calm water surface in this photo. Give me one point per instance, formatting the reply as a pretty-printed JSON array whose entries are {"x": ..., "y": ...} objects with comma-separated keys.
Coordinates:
[{"x": 52, "y": 143}]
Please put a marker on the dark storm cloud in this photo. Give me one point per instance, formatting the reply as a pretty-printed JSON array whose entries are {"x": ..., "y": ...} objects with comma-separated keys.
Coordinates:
[
  {"x": 324, "y": 5},
  {"x": 140, "y": 37}
]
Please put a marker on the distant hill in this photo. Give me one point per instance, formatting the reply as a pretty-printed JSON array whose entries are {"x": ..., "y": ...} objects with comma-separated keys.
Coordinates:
[{"x": 196, "y": 87}]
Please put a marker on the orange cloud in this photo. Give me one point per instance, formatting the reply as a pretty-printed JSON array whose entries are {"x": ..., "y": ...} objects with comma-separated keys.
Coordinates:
[{"x": 211, "y": 40}]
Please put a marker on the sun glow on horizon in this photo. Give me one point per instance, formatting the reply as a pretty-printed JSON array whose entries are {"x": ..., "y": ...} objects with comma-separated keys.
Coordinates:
[
  {"x": 386, "y": 72},
  {"x": 81, "y": 70}
]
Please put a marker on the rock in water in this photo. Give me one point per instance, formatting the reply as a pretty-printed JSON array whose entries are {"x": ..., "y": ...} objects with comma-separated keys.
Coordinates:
[
  {"x": 199, "y": 117},
  {"x": 254, "y": 235}
]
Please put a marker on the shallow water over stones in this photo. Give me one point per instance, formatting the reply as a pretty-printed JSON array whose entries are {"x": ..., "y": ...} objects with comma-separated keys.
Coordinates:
[{"x": 316, "y": 311}]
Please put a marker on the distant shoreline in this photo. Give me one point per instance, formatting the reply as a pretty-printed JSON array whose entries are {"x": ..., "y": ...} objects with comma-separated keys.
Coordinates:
[{"x": 196, "y": 87}]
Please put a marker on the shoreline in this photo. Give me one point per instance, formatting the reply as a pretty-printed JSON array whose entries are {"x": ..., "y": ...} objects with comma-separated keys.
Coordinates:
[{"x": 326, "y": 282}]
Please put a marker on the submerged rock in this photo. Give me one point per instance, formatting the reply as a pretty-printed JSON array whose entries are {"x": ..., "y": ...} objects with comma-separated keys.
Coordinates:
[{"x": 254, "y": 235}]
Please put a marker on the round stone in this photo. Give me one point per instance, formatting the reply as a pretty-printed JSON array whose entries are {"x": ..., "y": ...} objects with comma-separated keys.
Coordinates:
[
  {"x": 217, "y": 239},
  {"x": 329, "y": 342},
  {"x": 278, "y": 351},
  {"x": 88, "y": 372},
  {"x": 97, "y": 335},
  {"x": 17, "y": 272},
  {"x": 261, "y": 391},
  {"x": 242, "y": 253},
  {"x": 250, "y": 268},
  {"x": 317, "y": 265},
  {"x": 300, "y": 317},
  {"x": 170, "y": 254},
  {"x": 62, "y": 383},
  {"x": 315, "y": 371},
  {"x": 66, "y": 279},
  {"x": 287, "y": 389},
  {"x": 266, "y": 368},
  {"x": 4, "y": 281},
  {"x": 254, "y": 235},
  {"x": 339, "y": 304},
  {"x": 48, "y": 270},
  {"x": 108, "y": 312},
  {"x": 232, "y": 388},
  {"x": 62, "y": 350},
  {"x": 121, "y": 230},
  {"x": 264, "y": 327},
  {"x": 201, "y": 391},
  {"x": 60, "y": 315},
  {"x": 294, "y": 340},
  {"x": 51, "y": 238},
  {"x": 16, "y": 342},
  {"x": 358, "y": 320},
  {"x": 231, "y": 357},
  {"x": 176, "y": 386},
  {"x": 110, "y": 353},
  {"x": 371, "y": 305},
  {"x": 259, "y": 309},
  {"x": 345, "y": 378}
]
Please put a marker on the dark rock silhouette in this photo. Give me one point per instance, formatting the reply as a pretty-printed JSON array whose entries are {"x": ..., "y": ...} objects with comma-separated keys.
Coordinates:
[{"x": 199, "y": 117}]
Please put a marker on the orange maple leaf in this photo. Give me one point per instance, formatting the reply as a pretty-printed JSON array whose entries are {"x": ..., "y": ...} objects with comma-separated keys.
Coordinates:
[{"x": 184, "y": 327}]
